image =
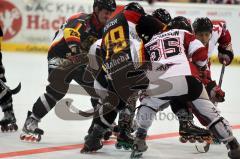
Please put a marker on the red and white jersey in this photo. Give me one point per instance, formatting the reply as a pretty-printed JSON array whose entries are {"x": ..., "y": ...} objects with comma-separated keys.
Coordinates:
[
  {"x": 170, "y": 52},
  {"x": 220, "y": 35}
]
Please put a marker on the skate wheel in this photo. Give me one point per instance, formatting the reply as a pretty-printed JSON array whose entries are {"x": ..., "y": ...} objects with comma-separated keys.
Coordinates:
[
  {"x": 200, "y": 140},
  {"x": 208, "y": 139},
  {"x": 183, "y": 140},
  {"x": 192, "y": 140},
  {"x": 39, "y": 138},
  {"x": 11, "y": 128},
  {"x": 22, "y": 137},
  {"x": 118, "y": 146},
  {"x": 4, "y": 128},
  {"x": 15, "y": 127},
  {"x": 28, "y": 138},
  {"x": 33, "y": 139}
]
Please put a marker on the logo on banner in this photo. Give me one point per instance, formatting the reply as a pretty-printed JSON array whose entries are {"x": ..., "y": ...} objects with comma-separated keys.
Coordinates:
[{"x": 10, "y": 19}]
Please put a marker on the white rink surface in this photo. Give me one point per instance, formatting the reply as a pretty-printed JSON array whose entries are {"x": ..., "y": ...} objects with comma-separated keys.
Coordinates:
[{"x": 31, "y": 70}]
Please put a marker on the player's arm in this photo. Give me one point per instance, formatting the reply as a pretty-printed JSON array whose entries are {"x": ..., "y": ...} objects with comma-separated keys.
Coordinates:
[
  {"x": 225, "y": 51},
  {"x": 72, "y": 35},
  {"x": 199, "y": 57},
  {"x": 195, "y": 50}
]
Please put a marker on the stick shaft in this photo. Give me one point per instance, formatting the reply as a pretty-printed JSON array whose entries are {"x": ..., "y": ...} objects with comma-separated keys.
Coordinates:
[{"x": 221, "y": 76}]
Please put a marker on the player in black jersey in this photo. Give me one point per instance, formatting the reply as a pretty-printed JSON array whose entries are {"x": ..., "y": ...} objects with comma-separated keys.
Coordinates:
[
  {"x": 122, "y": 65},
  {"x": 67, "y": 60}
]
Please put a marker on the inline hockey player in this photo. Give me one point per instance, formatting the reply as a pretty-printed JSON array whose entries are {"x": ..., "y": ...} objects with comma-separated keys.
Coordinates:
[
  {"x": 121, "y": 56},
  {"x": 187, "y": 129},
  {"x": 8, "y": 122},
  {"x": 67, "y": 60},
  {"x": 174, "y": 77},
  {"x": 209, "y": 35}
]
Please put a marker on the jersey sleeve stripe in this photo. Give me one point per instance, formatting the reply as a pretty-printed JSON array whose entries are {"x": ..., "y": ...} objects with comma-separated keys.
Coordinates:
[{"x": 194, "y": 46}]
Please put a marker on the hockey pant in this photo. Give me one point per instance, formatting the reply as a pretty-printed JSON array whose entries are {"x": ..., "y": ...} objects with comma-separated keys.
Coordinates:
[
  {"x": 107, "y": 113},
  {"x": 59, "y": 82},
  {"x": 187, "y": 88},
  {"x": 120, "y": 97}
]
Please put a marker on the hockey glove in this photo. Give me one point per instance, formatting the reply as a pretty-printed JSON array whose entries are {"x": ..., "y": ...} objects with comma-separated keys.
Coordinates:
[
  {"x": 225, "y": 56},
  {"x": 215, "y": 93}
]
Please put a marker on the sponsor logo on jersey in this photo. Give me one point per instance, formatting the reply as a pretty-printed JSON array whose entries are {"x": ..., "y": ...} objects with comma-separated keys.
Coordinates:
[
  {"x": 110, "y": 24},
  {"x": 115, "y": 62}
]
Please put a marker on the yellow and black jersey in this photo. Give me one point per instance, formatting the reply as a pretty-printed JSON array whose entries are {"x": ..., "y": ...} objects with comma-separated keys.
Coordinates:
[
  {"x": 122, "y": 53},
  {"x": 79, "y": 30},
  {"x": 1, "y": 37},
  {"x": 121, "y": 43}
]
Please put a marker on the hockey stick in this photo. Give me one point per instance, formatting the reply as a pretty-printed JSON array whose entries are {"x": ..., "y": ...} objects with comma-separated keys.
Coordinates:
[
  {"x": 207, "y": 146},
  {"x": 221, "y": 76},
  {"x": 17, "y": 89}
]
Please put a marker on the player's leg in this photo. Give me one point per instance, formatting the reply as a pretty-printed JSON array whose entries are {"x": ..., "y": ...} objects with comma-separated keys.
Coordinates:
[
  {"x": 146, "y": 113},
  {"x": 210, "y": 117},
  {"x": 8, "y": 122},
  {"x": 126, "y": 124},
  {"x": 59, "y": 80},
  {"x": 86, "y": 81},
  {"x": 187, "y": 129},
  {"x": 103, "y": 120},
  {"x": 170, "y": 88},
  {"x": 127, "y": 84}
]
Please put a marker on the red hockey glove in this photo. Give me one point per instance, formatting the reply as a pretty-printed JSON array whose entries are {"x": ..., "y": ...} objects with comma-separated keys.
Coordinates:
[{"x": 215, "y": 93}]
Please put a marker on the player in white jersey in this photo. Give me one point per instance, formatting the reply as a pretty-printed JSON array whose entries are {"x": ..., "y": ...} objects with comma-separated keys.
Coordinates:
[
  {"x": 173, "y": 76},
  {"x": 210, "y": 35},
  {"x": 187, "y": 129}
]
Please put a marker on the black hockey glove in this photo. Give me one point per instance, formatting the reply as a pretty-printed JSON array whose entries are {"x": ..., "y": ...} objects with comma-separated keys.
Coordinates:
[{"x": 225, "y": 56}]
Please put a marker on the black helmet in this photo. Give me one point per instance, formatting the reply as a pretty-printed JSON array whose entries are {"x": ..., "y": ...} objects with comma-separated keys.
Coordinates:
[
  {"x": 105, "y": 4},
  {"x": 146, "y": 22},
  {"x": 134, "y": 6},
  {"x": 162, "y": 15},
  {"x": 202, "y": 25},
  {"x": 180, "y": 22}
]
